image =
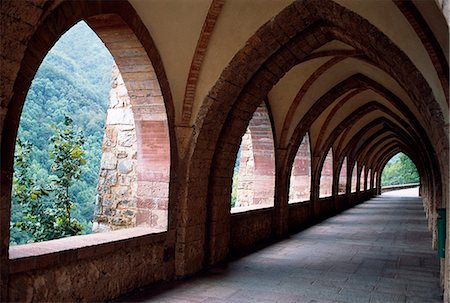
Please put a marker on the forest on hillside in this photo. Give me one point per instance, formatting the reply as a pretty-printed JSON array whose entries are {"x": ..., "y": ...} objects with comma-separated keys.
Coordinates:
[{"x": 74, "y": 81}]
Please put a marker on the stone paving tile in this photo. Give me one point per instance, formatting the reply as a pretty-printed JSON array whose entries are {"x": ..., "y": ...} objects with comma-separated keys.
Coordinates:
[{"x": 378, "y": 251}]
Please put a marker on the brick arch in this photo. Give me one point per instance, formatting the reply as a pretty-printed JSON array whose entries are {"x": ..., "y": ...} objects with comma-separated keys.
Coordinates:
[
  {"x": 426, "y": 176},
  {"x": 146, "y": 91},
  {"x": 362, "y": 147},
  {"x": 411, "y": 142},
  {"x": 360, "y": 113},
  {"x": 275, "y": 48}
]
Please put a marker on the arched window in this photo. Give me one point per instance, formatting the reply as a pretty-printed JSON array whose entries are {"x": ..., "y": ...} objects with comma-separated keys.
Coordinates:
[
  {"x": 300, "y": 181},
  {"x": 362, "y": 177},
  {"x": 354, "y": 177},
  {"x": 254, "y": 174},
  {"x": 343, "y": 178},
  {"x": 369, "y": 175},
  {"x": 131, "y": 149},
  {"x": 326, "y": 176}
]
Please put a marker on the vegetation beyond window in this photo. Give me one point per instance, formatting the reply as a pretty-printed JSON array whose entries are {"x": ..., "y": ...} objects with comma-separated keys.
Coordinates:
[
  {"x": 59, "y": 165},
  {"x": 399, "y": 170}
]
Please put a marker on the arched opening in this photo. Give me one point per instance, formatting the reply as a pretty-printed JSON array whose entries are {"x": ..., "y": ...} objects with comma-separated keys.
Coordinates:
[
  {"x": 399, "y": 170},
  {"x": 375, "y": 180},
  {"x": 47, "y": 203},
  {"x": 369, "y": 176},
  {"x": 362, "y": 178},
  {"x": 300, "y": 181},
  {"x": 133, "y": 186},
  {"x": 326, "y": 176},
  {"x": 354, "y": 177},
  {"x": 342, "y": 185},
  {"x": 254, "y": 173}
]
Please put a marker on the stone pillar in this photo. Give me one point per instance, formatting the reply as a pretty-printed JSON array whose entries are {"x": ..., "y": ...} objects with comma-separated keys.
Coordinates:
[
  {"x": 245, "y": 189},
  {"x": 300, "y": 182},
  {"x": 117, "y": 185}
]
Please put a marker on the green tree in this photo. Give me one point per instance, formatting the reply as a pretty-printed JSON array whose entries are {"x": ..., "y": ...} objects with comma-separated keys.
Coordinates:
[
  {"x": 68, "y": 157},
  {"x": 399, "y": 170},
  {"x": 47, "y": 211},
  {"x": 29, "y": 195}
]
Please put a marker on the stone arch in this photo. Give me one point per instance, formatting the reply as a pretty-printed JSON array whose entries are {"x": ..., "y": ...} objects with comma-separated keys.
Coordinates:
[
  {"x": 126, "y": 37},
  {"x": 274, "y": 49},
  {"x": 326, "y": 176},
  {"x": 300, "y": 180}
]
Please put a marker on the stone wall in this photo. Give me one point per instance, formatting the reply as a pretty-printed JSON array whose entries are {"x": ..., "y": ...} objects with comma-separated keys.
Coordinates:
[
  {"x": 342, "y": 182},
  {"x": 93, "y": 273},
  {"x": 300, "y": 181},
  {"x": 256, "y": 179},
  {"x": 117, "y": 185},
  {"x": 326, "y": 176},
  {"x": 246, "y": 171}
]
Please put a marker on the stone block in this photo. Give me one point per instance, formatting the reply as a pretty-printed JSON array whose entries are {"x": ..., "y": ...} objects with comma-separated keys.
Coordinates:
[
  {"x": 125, "y": 166},
  {"x": 109, "y": 161}
]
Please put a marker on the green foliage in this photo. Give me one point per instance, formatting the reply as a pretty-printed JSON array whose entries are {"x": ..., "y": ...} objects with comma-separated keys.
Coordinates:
[
  {"x": 68, "y": 157},
  {"x": 399, "y": 170},
  {"x": 46, "y": 211},
  {"x": 73, "y": 80},
  {"x": 29, "y": 194}
]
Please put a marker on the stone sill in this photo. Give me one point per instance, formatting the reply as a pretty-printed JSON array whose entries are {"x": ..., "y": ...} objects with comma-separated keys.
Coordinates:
[
  {"x": 40, "y": 255},
  {"x": 243, "y": 209},
  {"x": 299, "y": 202}
]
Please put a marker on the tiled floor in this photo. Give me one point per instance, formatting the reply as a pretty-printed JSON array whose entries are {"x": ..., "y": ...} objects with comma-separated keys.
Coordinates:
[{"x": 379, "y": 251}]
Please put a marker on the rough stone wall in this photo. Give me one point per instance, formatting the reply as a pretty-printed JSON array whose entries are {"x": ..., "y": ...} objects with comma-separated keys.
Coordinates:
[
  {"x": 342, "y": 183},
  {"x": 354, "y": 179},
  {"x": 245, "y": 188},
  {"x": 248, "y": 230},
  {"x": 326, "y": 176},
  {"x": 362, "y": 179},
  {"x": 256, "y": 179},
  {"x": 117, "y": 185},
  {"x": 300, "y": 181},
  {"x": 97, "y": 278}
]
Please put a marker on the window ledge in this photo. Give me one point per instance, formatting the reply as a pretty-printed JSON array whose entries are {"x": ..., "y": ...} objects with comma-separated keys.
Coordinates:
[
  {"x": 51, "y": 253},
  {"x": 242, "y": 209},
  {"x": 297, "y": 202}
]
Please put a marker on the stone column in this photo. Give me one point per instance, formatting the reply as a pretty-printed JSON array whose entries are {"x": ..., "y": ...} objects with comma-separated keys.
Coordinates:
[{"x": 117, "y": 185}]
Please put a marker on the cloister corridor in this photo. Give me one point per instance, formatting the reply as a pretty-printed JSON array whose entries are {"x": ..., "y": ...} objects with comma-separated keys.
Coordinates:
[{"x": 378, "y": 251}]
